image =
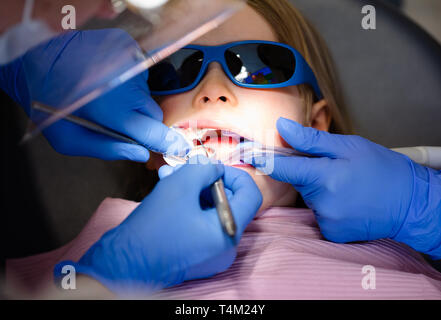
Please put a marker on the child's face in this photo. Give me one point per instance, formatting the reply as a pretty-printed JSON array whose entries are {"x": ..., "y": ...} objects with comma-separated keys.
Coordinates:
[{"x": 217, "y": 102}]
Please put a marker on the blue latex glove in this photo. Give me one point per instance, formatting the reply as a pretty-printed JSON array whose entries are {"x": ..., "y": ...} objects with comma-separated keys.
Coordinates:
[
  {"x": 168, "y": 238},
  {"x": 360, "y": 190},
  {"x": 75, "y": 61},
  {"x": 205, "y": 198}
]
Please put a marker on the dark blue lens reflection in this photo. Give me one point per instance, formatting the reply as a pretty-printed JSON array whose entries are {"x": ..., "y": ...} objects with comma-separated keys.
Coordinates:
[
  {"x": 258, "y": 63},
  {"x": 177, "y": 71}
]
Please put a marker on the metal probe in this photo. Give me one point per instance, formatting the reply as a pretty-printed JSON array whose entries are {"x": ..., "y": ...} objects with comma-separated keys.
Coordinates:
[
  {"x": 85, "y": 123},
  {"x": 222, "y": 206},
  {"x": 93, "y": 127}
]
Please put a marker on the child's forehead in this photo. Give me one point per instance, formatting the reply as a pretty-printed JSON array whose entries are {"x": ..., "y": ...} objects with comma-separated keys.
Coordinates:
[{"x": 244, "y": 25}]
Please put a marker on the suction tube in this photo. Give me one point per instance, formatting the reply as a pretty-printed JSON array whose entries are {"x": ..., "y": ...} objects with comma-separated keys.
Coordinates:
[{"x": 426, "y": 156}]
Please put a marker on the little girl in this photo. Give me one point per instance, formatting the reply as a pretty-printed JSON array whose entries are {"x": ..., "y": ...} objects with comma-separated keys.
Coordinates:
[{"x": 218, "y": 103}]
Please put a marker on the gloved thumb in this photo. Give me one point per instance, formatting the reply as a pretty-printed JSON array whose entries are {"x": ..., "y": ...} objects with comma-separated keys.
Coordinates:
[
  {"x": 309, "y": 140},
  {"x": 298, "y": 171},
  {"x": 199, "y": 173}
]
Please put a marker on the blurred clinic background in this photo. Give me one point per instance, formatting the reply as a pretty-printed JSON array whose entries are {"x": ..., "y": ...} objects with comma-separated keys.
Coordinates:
[{"x": 427, "y": 13}]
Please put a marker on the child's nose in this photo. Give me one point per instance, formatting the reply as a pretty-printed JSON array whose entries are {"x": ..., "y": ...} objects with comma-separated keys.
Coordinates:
[{"x": 215, "y": 88}]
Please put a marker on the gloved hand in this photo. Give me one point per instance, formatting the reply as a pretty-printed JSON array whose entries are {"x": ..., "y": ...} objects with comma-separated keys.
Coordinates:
[
  {"x": 206, "y": 199},
  {"x": 168, "y": 238},
  {"x": 359, "y": 190},
  {"x": 59, "y": 71}
]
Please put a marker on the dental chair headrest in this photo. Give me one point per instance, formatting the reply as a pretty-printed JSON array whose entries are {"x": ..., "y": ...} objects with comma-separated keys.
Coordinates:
[{"x": 391, "y": 76}]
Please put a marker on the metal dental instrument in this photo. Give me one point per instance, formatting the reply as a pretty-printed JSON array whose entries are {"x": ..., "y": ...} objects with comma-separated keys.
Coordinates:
[
  {"x": 85, "y": 123},
  {"x": 256, "y": 149},
  {"x": 94, "y": 127},
  {"x": 221, "y": 201},
  {"x": 423, "y": 155}
]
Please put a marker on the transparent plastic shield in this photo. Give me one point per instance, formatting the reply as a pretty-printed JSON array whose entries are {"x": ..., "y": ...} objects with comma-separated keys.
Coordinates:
[{"x": 80, "y": 66}]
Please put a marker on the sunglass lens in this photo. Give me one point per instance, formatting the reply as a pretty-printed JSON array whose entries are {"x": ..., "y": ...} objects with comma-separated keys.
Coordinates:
[
  {"x": 177, "y": 71},
  {"x": 259, "y": 64}
]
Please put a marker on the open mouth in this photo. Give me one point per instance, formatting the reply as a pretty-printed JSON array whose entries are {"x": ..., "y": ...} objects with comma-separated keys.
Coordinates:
[{"x": 215, "y": 143}]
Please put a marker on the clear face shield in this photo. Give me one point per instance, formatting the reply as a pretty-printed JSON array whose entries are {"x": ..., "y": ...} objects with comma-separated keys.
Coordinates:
[{"x": 141, "y": 35}]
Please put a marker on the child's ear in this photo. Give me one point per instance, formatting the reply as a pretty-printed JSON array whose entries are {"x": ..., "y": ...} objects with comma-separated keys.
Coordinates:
[{"x": 320, "y": 116}]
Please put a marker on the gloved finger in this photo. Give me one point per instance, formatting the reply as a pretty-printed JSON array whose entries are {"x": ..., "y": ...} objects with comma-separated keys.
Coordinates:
[
  {"x": 136, "y": 93},
  {"x": 153, "y": 134},
  {"x": 91, "y": 144},
  {"x": 246, "y": 199},
  {"x": 206, "y": 198},
  {"x": 124, "y": 151},
  {"x": 167, "y": 170},
  {"x": 298, "y": 171},
  {"x": 199, "y": 176},
  {"x": 150, "y": 108},
  {"x": 310, "y": 140}
]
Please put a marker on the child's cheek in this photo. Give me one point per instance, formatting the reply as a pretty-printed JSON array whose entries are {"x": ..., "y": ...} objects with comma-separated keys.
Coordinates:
[{"x": 173, "y": 109}]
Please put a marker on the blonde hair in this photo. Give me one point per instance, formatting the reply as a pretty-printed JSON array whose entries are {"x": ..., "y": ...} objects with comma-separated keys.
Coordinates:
[{"x": 294, "y": 30}]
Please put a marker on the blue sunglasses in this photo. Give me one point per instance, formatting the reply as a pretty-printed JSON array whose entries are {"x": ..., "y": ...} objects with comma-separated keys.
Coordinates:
[{"x": 248, "y": 64}]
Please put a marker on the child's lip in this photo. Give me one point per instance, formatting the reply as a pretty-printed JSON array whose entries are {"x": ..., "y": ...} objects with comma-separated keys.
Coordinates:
[{"x": 242, "y": 165}]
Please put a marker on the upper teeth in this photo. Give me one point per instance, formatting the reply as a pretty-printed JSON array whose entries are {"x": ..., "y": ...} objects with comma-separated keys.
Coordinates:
[
  {"x": 195, "y": 134},
  {"x": 192, "y": 134}
]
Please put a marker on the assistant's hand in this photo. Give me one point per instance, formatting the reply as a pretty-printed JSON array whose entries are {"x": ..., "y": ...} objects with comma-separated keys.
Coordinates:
[
  {"x": 360, "y": 190},
  {"x": 168, "y": 238},
  {"x": 60, "y": 71}
]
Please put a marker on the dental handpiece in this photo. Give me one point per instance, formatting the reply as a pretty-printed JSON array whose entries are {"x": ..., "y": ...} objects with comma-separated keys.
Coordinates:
[{"x": 222, "y": 206}]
